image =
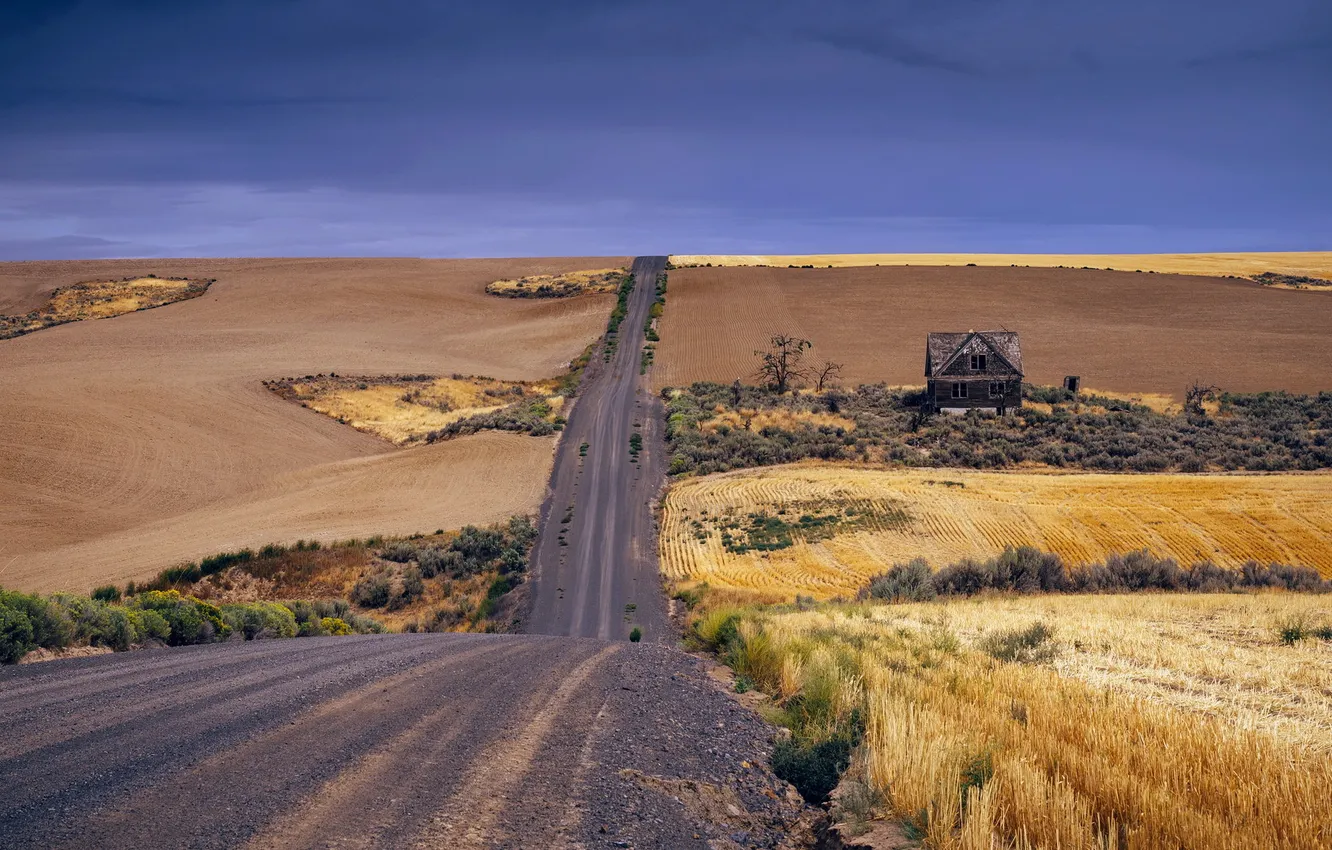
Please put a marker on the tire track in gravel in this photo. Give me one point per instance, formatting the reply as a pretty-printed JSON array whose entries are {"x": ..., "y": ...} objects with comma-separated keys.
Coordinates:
[
  {"x": 310, "y": 749},
  {"x": 469, "y": 820},
  {"x": 379, "y": 799}
]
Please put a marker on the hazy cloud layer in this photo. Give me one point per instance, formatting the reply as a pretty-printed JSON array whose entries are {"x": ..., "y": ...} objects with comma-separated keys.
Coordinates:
[{"x": 335, "y": 127}]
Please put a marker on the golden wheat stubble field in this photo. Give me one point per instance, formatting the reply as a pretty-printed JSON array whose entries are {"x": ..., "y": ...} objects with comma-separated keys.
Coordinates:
[
  {"x": 1244, "y": 264},
  {"x": 1121, "y": 331},
  {"x": 945, "y": 515},
  {"x": 132, "y": 443}
]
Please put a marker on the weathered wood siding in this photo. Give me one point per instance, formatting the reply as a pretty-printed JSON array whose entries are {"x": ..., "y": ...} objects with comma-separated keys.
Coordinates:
[{"x": 978, "y": 393}]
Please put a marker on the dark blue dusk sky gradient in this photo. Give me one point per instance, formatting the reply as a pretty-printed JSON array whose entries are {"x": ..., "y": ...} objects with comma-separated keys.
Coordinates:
[{"x": 508, "y": 127}]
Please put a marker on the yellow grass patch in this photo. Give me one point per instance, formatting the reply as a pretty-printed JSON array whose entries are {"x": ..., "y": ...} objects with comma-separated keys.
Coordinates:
[
  {"x": 954, "y": 514},
  {"x": 757, "y": 420},
  {"x": 983, "y": 754},
  {"x": 100, "y": 300},
  {"x": 558, "y": 285},
  {"x": 404, "y": 410},
  {"x": 1310, "y": 263},
  {"x": 1214, "y": 654}
]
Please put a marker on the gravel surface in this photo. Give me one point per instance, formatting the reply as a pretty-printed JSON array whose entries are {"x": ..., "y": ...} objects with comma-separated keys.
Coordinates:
[{"x": 386, "y": 741}]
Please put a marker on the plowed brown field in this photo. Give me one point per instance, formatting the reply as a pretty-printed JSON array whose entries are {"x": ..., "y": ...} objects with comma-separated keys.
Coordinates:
[
  {"x": 1121, "y": 331},
  {"x": 132, "y": 443}
]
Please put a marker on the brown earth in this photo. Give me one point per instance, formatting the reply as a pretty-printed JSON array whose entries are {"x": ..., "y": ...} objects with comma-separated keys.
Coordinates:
[
  {"x": 132, "y": 443},
  {"x": 1121, "y": 331}
]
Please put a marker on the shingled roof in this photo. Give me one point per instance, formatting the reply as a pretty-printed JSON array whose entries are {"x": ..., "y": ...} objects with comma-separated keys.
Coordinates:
[{"x": 941, "y": 348}]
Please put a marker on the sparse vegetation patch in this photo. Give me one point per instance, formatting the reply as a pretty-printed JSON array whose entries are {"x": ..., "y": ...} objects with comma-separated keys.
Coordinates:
[
  {"x": 406, "y": 409},
  {"x": 446, "y": 581},
  {"x": 1291, "y": 281},
  {"x": 159, "y": 617},
  {"x": 101, "y": 299},
  {"x": 563, "y": 285},
  {"x": 1217, "y": 431}
]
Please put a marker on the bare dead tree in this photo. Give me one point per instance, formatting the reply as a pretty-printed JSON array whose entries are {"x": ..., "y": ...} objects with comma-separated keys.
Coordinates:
[
  {"x": 826, "y": 374},
  {"x": 1194, "y": 397},
  {"x": 780, "y": 365}
]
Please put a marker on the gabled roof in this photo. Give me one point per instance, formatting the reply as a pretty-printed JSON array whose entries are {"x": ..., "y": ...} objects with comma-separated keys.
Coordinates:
[{"x": 941, "y": 349}]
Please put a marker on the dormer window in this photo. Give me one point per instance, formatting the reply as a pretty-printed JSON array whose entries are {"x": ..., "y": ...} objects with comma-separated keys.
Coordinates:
[{"x": 978, "y": 362}]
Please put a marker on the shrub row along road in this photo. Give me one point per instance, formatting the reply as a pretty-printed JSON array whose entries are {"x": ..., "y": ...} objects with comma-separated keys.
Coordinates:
[
  {"x": 454, "y": 741},
  {"x": 595, "y": 563}
]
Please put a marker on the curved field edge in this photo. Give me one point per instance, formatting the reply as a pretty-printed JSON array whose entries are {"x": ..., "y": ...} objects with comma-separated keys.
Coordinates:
[
  {"x": 103, "y": 299},
  {"x": 869, "y": 519},
  {"x": 1244, "y": 264}
]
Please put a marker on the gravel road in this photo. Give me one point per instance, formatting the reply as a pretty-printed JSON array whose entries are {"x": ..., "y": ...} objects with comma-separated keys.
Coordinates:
[
  {"x": 596, "y": 575},
  {"x": 451, "y": 741}
]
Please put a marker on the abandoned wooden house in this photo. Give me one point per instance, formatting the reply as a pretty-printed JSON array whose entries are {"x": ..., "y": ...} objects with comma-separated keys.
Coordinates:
[{"x": 976, "y": 369}]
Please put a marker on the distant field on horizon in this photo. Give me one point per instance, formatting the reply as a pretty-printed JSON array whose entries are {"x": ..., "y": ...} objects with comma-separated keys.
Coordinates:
[
  {"x": 132, "y": 443},
  {"x": 1310, "y": 263},
  {"x": 953, "y": 514},
  {"x": 1121, "y": 331}
]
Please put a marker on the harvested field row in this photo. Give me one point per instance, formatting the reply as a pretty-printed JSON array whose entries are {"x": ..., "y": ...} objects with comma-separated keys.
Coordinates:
[
  {"x": 1214, "y": 654},
  {"x": 955, "y": 514},
  {"x": 971, "y": 747},
  {"x": 131, "y": 445},
  {"x": 1311, "y": 263},
  {"x": 477, "y": 479},
  {"x": 1120, "y": 331}
]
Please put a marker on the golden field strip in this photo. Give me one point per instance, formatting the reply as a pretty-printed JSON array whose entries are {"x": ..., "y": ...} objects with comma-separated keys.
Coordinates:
[
  {"x": 954, "y": 514},
  {"x": 1310, "y": 263},
  {"x": 404, "y": 411},
  {"x": 1164, "y": 722}
]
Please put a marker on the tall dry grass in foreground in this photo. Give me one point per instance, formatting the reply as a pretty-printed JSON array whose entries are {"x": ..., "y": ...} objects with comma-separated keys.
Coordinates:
[{"x": 974, "y": 753}]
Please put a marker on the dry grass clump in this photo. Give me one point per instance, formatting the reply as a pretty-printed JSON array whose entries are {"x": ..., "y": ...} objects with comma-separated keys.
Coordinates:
[
  {"x": 101, "y": 299},
  {"x": 1314, "y": 263},
  {"x": 973, "y": 752},
  {"x": 786, "y": 419},
  {"x": 405, "y": 409},
  {"x": 949, "y": 515},
  {"x": 561, "y": 285}
]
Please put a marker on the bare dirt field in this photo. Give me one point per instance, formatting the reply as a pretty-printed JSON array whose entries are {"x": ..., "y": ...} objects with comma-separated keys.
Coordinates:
[
  {"x": 1312, "y": 263},
  {"x": 864, "y": 520},
  {"x": 1121, "y": 331},
  {"x": 132, "y": 443}
]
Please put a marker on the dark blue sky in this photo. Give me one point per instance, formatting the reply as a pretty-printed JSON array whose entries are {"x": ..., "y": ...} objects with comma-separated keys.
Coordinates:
[{"x": 509, "y": 127}]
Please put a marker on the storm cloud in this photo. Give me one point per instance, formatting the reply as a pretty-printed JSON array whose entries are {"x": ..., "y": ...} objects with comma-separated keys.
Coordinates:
[{"x": 329, "y": 127}]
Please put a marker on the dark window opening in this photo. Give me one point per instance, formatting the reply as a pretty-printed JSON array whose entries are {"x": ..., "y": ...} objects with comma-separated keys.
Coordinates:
[
  {"x": 978, "y": 362},
  {"x": 996, "y": 389},
  {"x": 959, "y": 390}
]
